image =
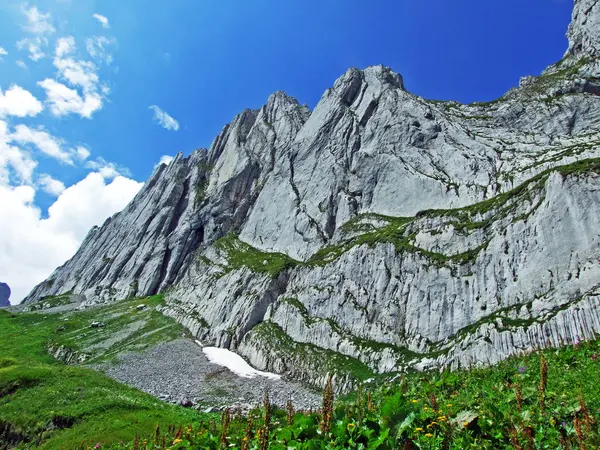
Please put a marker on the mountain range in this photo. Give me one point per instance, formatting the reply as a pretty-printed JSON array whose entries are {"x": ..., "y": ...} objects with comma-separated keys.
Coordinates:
[{"x": 378, "y": 232}]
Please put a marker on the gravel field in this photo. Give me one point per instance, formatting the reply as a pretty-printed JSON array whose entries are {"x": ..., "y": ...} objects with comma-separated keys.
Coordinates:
[{"x": 179, "y": 372}]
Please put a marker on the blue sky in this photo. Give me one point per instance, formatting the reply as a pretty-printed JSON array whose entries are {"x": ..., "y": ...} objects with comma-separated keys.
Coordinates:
[{"x": 88, "y": 73}]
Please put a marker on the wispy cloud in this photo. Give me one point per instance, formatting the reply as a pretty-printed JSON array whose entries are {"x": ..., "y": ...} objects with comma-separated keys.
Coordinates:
[
  {"x": 79, "y": 74},
  {"x": 45, "y": 142},
  {"x": 21, "y": 64},
  {"x": 65, "y": 46},
  {"x": 51, "y": 185},
  {"x": 98, "y": 48},
  {"x": 2, "y": 53},
  {"x": 102, "y": 19},
  {"x": 38, "y": 22},
  {"x": 39, "y": 26},
  {"x": 163, "y": 119},
  {"x": 108, "y": 170},
  {"x": 82, "y": 153}
]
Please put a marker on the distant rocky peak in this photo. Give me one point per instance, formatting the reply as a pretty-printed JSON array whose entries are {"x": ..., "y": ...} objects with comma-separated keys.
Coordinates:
[
  {"x": 4, "y": 295},
  {"x": 584, "y": 30},
  {"x": 351, "y": 84}
]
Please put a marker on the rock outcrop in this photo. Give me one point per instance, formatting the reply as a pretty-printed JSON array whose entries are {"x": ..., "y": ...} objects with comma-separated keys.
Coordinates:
[
  {"x": 379, "y": 231},
  {"x": 4, "y": 295}
]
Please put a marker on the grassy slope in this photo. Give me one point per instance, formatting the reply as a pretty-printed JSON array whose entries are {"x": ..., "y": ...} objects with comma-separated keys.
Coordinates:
[{"x": 38, "y": 393}]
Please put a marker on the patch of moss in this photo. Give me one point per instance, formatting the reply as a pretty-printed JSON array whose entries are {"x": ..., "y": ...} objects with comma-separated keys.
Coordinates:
[
  {"x": 239, "y": 254},
  {"x": 320, "y": 360}
]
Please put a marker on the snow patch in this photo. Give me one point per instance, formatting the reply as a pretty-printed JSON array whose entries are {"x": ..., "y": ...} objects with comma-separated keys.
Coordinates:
[{"x": 234, "y": 362}]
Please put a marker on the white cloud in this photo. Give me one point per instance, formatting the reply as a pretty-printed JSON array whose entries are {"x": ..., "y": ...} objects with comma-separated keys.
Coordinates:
[
  {"x": 80, "y": 74},
  {"x": 82, "y": 153},
  {"x": 19, "y": 102},
  {"x": 164, "y": 119},
  {"x": 165, "y": 159},
  {"x": 51, "y": 185},
  {"x": 39, "y": 25},
  {"x": 34, "y": 47},
  {"x": 77, "y": 73},
  {"x": 102, "y": 19},
  {"x": 38, "y": 22},
  {"x": 2, "y": 53},
  {"x": 97, "y": 47},
  {"x": 14, "y": 159},
  {"x": 45, "y": 142},
  {"x": 65, "y": 46},
  {"x": 31, "y": 247},
  {"x": 108, "y": 170},
  {"x": 21, "y": 64},
  {"x": 64, "y": 100}
]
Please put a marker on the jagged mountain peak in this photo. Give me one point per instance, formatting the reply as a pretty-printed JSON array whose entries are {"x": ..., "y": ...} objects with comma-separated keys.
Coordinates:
[{"x": 584, "y": 30}]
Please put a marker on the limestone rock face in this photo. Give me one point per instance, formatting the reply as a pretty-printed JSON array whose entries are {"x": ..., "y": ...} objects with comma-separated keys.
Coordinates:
[
  {"x": 378, "y": 232},
  {"x": 4, "y": 295},
  {"x": 584, "y": 31}
]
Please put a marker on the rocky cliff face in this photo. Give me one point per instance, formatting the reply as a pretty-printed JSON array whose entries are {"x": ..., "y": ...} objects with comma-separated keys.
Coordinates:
[
  {"x": 4, "y": 295},
  {"x": 379, "y": 231}
]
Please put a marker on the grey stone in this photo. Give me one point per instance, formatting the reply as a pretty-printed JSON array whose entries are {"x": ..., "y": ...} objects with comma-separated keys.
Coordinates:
[
  {"x": 467, "y": 285},
  {"x": 4, "y": 295}
]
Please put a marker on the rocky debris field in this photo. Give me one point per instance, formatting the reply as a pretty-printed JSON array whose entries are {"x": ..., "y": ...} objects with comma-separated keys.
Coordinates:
[{"x": 179, "y": 372}]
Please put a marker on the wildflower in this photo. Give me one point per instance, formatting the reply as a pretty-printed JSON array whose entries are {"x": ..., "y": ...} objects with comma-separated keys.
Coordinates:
[
  {"x": 522, "y": 369},
  {"x": 432, "y": 424},
  {"x": 429, "y": 435},
  {"x": 466, "y": 424},
  {"x": 98, "y": 445},
  {"x": 543, "y": 383},
  {"x": 594, "y": 357},
  {"x": 351, "y": 426},
  {"x": 414, "y": 401},
  {"x": 177, "y": 441},
  {"x": 442, "y": 418},
  {"x": 418, "y": 429},
  {"x": 564, "y": 424},
  {"x": 449, "y": 405}
]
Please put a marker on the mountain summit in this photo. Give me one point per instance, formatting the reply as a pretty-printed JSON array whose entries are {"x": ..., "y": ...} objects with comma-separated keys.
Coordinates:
[{"x": 380, "y": 230}]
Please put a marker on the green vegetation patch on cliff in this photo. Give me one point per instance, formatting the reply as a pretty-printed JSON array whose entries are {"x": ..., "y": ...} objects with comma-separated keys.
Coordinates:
[
  {"x": 239, "y": 254},
  {"x": 372, "y": 229},
  {"x": 277, "y": 343}
]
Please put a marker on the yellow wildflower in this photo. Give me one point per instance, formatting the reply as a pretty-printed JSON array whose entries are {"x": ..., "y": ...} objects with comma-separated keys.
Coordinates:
[
  {"x": 442, "y": 418},
  {"x": 432, "y": 424},
  {"x": 418, "y": 429},
  {"x": 351, "y": 426},
  {"x": 414, "y": 401},
  {"x": 449, "y": 405},
  {"x": 466, "y": 424},
  {"x": 429, "y": 435},
  {"x": 177, "y": 441}
]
